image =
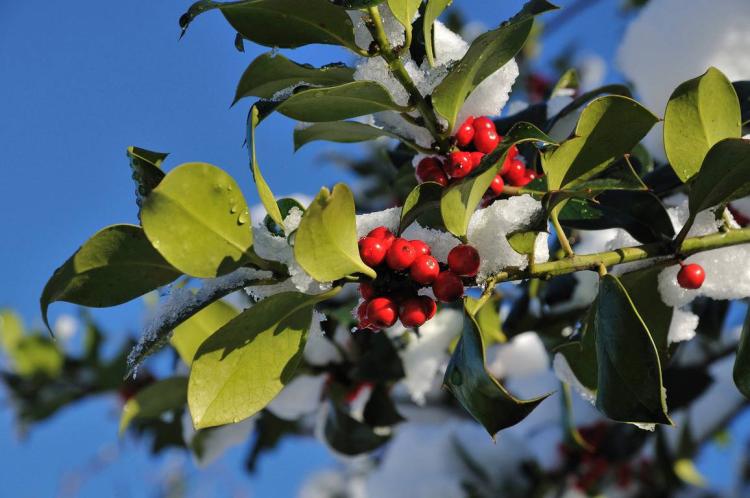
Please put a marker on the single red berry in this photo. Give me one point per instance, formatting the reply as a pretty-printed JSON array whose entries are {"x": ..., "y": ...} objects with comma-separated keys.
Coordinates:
[
  {"x": 425, "y": 269},
  {"x": 512, "y": 152},
  {"x": 448, "y": 287},
  {"x": 463, "y": 260},
  {"x": 401, "y": 255},
  {"x": 486, "y": 140},
  {"x": 372, "y": 251},
  {"x": 506, "y": 165},
  {"x": 382, "y": 312},
  {"x": 412, "y": 313},
  {"x": 421, "y": 247},
  {"x": 484, "y": 123},
  {"x": 691, "y": 276},
  {"x": 528, "y": 177},
  {"x": 516, "y": 173},
  {"x": 476, "y": 158},
  {"x": 367, "y": 290},
  {"x": 459, "y": 164},
  {"x": 437, "y": 176},
  {"x": 384, "y": 235},
  {"x": 427, "y": 165},
  {"x": 429, "y": 305},
  {"x": 465, "y": 133},
  {"x": 497, "y": 185}
]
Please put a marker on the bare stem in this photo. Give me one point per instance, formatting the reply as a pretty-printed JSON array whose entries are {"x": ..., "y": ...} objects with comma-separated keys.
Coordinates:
[{"x": 564, "y": 242}]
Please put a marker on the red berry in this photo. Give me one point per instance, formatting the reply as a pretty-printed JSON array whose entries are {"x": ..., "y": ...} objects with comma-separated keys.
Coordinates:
[
  {"x": 484, "y": 123},
  {"x": 512, "y": 152},
  {"x": 691, "y": 276},
  {"x": 415, "y": 311},
  {"x": 459, "y": 164},
  {"x": 372, "y": 251},
  {"x": 425, "y": 269},
  {"x": 429, "y": 305},
  {"x": 364, "y": 323},
  {"x": 506, "y": 165},
  {"x": 366, "y": 290},
  {"x": 384, "y": 235},
  {"x": 476, "y": 158},
  {"x": 497, "y": 185},
  {"x": 448, "y": 287},
  {"x": 421, "y": 247},
  {"x": 437, "y": 176},
  {"x": 465, "y": 133},
  {"x": 486, "y": 140},
  {"x": 382, "y": 312},
  {"x": 463, "y": 260},
  {"x": 531, "y": 175},
  {"x": 426, "y": 166},
  {"x": 516, "y": 173},
  {"x": 401, "y": 255}
]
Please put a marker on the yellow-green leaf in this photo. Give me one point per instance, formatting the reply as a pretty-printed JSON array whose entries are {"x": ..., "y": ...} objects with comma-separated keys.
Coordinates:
[
  {"x": 191, "y": 333},
  {"x": 197, "y": 218},
  {"x": 154, "y": 400},
  {"x": 264, "y": 191},
  {"x": 325, "y": 244}
]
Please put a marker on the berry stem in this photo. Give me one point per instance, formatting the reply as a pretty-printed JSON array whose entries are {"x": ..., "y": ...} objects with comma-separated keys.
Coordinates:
[
  {"x": 564, "y": 242},
  {"x": 397, "y": 68}
]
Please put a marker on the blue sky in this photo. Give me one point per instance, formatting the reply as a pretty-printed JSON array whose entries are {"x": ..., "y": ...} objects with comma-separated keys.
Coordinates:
[{"x": 79, "y": 83}]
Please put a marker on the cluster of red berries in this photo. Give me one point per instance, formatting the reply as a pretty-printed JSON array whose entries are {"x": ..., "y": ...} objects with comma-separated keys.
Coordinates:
[
  {"x": 404, "y": 267},
  {"x": 691, "y": 276},
  {"x": 474, "y": 139}
]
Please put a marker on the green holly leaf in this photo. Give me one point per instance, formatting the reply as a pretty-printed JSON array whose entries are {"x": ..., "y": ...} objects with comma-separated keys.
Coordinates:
[
  {"x": 723, "y": 177},
  {"x": 348, "y": 436},
  {"x": 272, "y": 73},
  {"x": 304, "y": 21},
  {"x": 583, "y": 100},
  {"x": 404, "y": 11},
  {"x": 197, "y": 218},
  {"x": 741, "y": 371},
  {"x": 422, "y": 200},
  {"x": 609, "y": 127},
  {"x": 340, "y": 102},
  {"x": 356, "y": 4},
  {"x": 432, "y": 11},
  {"x": 474, "y": 387},
  {"x": 325, "y": 244},
  {"x": 643, "y": 288},
  {"x": 147, "y": 173},
  {"x": 640, "y": 213},
  {"x": 264, "y": 191},
  {"x": 488, "y": 319},
  {"x": 154, "y": 400},
  {"x": 241, "y": 367},
  {"x": 629, "y": 378},
  {"x": 189, "y": 335},
  {"x": 340, "y": 132},
  {"x": 114, "y": 266},
  {"x": 701, "y": 112},
  {"x": 581, "y": 355},
  {"x": 460, "y": 200},
  {"x": 488, "y": 53}
]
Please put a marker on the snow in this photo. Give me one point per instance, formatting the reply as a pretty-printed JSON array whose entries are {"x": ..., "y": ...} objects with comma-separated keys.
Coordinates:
[
  {"x": 216, "y": 440},
  {"x": 489, "y": 227},
  {"x": 424, "y": 356},
  {"x": 523, "y": 356},
  {"x": 66, "y": 327},
  {"x": 563, "y": 372},
  {"x": 319, "y": 350},
  {"x": 440, "y": 242},
  {"x": 683, "y": 325},
  {"x": 668, "y": 44},
  {"x": 388, "y": 218},
  {"x": 300, "y": 397}
]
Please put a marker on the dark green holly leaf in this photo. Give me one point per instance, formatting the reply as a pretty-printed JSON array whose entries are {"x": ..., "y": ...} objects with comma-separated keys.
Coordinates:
[
  {"x": 349, "y": 100},
  {"x": 609, "y": 127},
  {"x": 700, "y": 113},
  {"x": 474, "y": 387},
  {"x": 241, "y": 367},
  {"x": 114, "y": 266},
  {"x": 488, "y": 53},
  {"x": 326, "y": 241},
  {"x": 147, "y": 173},
  {"x": 154, "y": 400},
  {"x": 629, "y": 378},
  {"x": 349, "y": 436},
  {"x": 460, "y": 200},
  {"x": 580, "y": 355},
  {"x": 338, "y": 131},
  {"x": 380, "y": 410},
  {"x": 271, "y": 74},
  {"x": 643, "y": 288},
  {"x": 568, "y": 81},
  {"x": 640, "y": 213},
  {"x": 304, "y": 21},
  {"x": 356, "y": 4},
  {"x": 488, "y": 319},
  {"x": 197, "y": 218},
  {"x": 285, "y": 206},
  {"x": 742, "y": 361},
  {"x": 423, "y": 199}
]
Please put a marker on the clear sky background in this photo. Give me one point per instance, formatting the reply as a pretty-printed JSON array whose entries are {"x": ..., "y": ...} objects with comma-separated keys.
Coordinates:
[{"x": 79, "y": 82}]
